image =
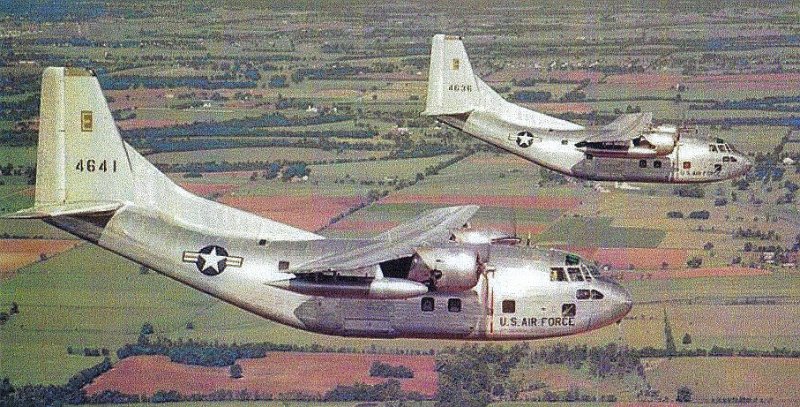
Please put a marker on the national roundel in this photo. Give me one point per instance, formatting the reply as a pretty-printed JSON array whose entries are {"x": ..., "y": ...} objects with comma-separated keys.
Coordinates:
[{"x": 212, "y": 259}]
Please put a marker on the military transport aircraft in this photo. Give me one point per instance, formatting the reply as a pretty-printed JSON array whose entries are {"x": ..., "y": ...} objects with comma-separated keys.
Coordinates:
[
  {"x": 630, "y": 148},
  {"x": 427, "y": 278}
]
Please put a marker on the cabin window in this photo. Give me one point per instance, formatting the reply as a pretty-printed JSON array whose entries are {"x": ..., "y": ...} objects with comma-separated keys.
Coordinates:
[
  {"x": 509, "y": 306},
  {"x": 283, "y": 265},
  {"x": 642, "y": 163},
  {"x": 687, "y": 165},
  {"x": 582, "y": 295},
  {"x": 733, "y": 159},
  {"x": 656, "y": 164},
  {"x": 717, "y": 167},
  {"x": 557, "y": 274},
  {"x": 589, "y": 156},
  {"x": 713, "y": 148},
  {"x": 454, "y": 305},
  {"x": 564, "y": 142},
  {"x": 597, "y": 295},
  {"x": 575, "y": 274},
  {"x": 723, "y": 148},
  {"x": 262, "y": 242},
  {"x": 567, "y": 310},
  {"x": 427, "y": 304}
]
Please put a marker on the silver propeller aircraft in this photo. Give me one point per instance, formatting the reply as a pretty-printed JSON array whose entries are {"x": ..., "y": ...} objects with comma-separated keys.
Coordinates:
[
  {"x": 628, "y": 149},
  {"x": 428, "y": 278}
]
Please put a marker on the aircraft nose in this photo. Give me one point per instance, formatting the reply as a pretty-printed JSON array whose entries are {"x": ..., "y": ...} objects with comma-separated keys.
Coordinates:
[
  {"x": 623, "y": 302},
  {"x": 746, "y": 165}
]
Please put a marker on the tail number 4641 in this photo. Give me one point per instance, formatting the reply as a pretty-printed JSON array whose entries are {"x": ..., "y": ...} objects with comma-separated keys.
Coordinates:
[{"x": 92, "y": 165}]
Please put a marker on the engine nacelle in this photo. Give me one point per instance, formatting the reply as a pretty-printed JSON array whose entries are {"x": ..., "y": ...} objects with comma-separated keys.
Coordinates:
[
  {"x": 477, "y": 236},
  {"x": 648, "y": 145},
  {"x": 445, "y": 269},
  {"x": 661, "y": 142}
]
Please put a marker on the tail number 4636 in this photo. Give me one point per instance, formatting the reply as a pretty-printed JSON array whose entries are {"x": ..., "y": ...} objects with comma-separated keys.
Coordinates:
[{"x": 91, "y": 165}]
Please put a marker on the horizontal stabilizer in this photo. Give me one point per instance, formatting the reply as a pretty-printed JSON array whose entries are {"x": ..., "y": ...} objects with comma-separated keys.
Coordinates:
[{"x": 69, "y": 209}]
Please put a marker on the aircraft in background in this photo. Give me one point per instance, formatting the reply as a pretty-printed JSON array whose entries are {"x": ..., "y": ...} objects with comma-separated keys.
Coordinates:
[
  {"x": 427, "y": 278},
  {"x": 630, "y": 148}
]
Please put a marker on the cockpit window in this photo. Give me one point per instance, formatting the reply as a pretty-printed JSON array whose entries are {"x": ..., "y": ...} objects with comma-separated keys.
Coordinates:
[
  {"x": 575, "y": 274},
  {"x": 583, "y": 295},
  {"x": 557, "y": 274},
  {"x": 597, "y": 295},
  {"x": 590, "y": 271}
]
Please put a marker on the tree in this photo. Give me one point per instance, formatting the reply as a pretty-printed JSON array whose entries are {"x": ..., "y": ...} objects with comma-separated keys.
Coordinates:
[
  {"x": 669, "y": 339},
  {"x": 147, "y": 329},
  {"x": 684, "y": 395},
  {"x": 236, "y": 371},
  {"x": 687, "y": 339},
  {"x": 694, "y": 262},
  {"x": 5, "y": 388}
]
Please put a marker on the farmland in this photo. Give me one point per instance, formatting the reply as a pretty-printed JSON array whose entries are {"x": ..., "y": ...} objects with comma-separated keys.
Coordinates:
[
  {"x": 309, "y": 115},
  {"x": 274, "y": 374}
]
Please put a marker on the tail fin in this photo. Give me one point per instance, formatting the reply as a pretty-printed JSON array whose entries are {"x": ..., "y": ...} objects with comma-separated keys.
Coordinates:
[
  {"x": 452, "y": 87},
  {"x": 84, "y": 167},
  {"x": 81, "y": 157}
]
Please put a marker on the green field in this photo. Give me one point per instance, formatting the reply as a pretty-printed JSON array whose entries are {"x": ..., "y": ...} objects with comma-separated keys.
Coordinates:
[
  {"x": 267, "y": 154},
  {"x": 728, "y": 377},
  {"x": 17, "y": 156},
  {"x": 598, "y": 232},
  {"x": 378, "y": 170}
]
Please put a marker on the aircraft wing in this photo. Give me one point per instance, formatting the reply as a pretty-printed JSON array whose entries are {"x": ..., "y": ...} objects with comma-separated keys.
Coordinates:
[
  {"x": 625, "y": 127},
  {"x": 431, "y": 227}
]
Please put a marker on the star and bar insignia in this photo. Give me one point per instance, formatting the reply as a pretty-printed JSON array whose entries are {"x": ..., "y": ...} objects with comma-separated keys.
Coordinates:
[
  {"x": 524, "y": 139},
  {"x": 212, "y": 260}
]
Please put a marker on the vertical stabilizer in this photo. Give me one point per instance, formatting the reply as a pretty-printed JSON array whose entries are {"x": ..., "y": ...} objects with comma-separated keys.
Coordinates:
[
  {"x": 452, "y": 87},
  {"x": 81, "y": 157}
]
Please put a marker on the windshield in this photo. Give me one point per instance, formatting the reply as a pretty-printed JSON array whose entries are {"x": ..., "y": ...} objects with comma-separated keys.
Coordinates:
[{"x": 591, "y": 271}]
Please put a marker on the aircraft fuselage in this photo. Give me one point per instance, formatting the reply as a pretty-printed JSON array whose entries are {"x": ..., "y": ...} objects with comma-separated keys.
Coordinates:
[
  {"x": 691, "y": 161},
  {"x": 525, "y": 293}
]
